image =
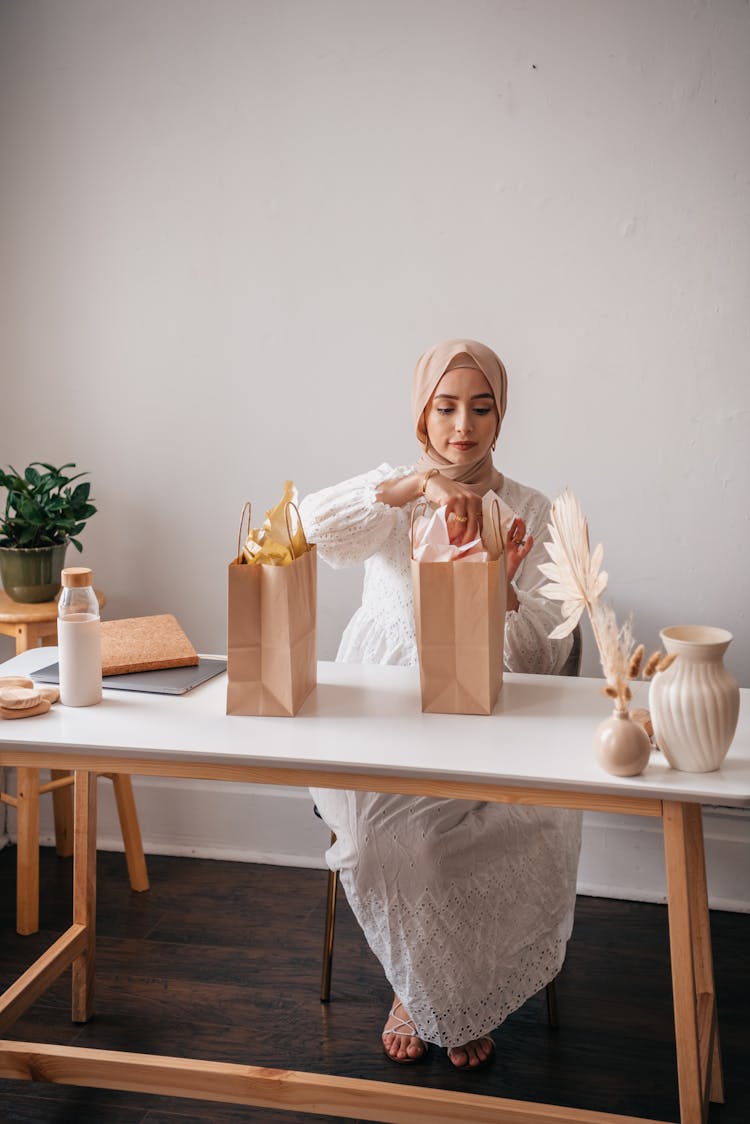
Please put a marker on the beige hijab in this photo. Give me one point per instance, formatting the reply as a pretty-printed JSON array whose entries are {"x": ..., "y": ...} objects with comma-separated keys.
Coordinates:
[{"x": 481, "y": 475}]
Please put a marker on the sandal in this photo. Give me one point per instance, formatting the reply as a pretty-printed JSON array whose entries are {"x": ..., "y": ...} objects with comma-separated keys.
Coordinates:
[
  {"x": 479, "y": 1064},
  {"x": 407, "y": 1029}
]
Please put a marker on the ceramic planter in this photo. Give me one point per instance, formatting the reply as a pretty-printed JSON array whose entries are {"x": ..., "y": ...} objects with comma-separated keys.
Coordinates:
[
  {"x": 695, "y": 703},
  {"x": 31, "y": 574}
]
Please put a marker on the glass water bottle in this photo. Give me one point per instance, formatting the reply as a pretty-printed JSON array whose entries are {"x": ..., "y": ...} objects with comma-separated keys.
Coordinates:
[{"x": 79, "y": 639}]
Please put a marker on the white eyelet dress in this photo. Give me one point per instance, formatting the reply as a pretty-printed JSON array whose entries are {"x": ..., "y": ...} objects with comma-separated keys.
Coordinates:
[{"x": 467, "y": 905}]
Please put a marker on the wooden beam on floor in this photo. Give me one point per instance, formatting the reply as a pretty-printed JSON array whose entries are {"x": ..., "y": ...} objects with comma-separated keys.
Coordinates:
[{"x": 280, "y": 1089}]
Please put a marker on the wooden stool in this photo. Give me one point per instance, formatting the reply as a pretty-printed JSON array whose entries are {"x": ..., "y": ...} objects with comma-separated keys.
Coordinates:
[{"x": 31, "y": 624}]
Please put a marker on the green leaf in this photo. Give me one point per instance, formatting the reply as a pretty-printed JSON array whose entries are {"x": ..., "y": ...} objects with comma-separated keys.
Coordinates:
[
  {"x": 81, "y": 492},
  {"x": 41, "y": 507},
  {"x": 46, "y": 483},
  {"x": 31, "y": 512}
]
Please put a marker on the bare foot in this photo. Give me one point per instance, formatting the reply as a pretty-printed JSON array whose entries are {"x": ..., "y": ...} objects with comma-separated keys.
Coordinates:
[
  {"x": 400, "y": 1039},
  {"x": 474, "y": 1053}
]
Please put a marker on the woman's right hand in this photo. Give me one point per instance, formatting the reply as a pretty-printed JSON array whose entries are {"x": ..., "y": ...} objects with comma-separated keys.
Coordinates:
[{"x": 463, "y": 507}]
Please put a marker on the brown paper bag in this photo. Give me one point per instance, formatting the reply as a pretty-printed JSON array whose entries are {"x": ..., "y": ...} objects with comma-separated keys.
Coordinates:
[
  {"x": 271, "y": 641},
  {"x": 459, "y": 611}
]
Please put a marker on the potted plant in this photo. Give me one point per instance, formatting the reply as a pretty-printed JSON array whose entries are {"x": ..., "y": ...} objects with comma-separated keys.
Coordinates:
[{"x": 43, "y": 513}]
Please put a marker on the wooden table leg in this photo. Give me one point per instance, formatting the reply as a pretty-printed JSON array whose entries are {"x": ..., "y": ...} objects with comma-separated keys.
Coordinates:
[
  {"x": 696, "y": 1027},
  {"x": 27, "y": 864},
  {"x": 84, "y": 892},
  {"x": 708, "y": 1019}
]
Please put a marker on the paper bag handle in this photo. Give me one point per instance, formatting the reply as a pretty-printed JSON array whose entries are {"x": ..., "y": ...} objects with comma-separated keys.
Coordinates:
[
  {"x": 289, "y": 528},
  {"x": 247, "y": 508},
  {"x": 422, "y": 506},
  {"x": 496, "y": 526}
]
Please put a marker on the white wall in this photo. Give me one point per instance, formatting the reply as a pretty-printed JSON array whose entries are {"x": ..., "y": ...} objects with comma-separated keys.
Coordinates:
[{"x": 228, "y": 228}]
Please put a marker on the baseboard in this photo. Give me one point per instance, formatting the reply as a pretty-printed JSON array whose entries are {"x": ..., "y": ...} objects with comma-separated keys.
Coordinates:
[
  {"x": 621, "y": 857},
  {"x": 216, "y": 820}
]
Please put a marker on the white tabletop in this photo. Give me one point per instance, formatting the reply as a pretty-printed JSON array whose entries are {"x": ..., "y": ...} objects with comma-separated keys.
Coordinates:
[{"x": 367, "y": 719}]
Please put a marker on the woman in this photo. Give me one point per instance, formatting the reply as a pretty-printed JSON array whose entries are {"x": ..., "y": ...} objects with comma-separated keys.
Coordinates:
[{"x": 467, "y": 905}]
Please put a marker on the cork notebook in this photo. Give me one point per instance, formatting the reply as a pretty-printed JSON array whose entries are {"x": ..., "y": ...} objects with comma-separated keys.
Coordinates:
[{"x": 145, "y": 644}]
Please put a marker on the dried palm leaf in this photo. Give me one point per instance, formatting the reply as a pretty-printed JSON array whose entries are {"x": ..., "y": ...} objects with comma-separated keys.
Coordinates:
[
  {"x": 578, "y": 581},
  {"x": 576, "y": 577}
]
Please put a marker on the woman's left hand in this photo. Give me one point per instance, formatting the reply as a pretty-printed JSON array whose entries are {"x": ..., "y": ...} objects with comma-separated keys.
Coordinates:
[{"x": 517, "y": 546}]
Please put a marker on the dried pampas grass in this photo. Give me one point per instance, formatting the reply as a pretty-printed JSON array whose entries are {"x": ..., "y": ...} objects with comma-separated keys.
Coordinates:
[{"x": 578, "y": 581}]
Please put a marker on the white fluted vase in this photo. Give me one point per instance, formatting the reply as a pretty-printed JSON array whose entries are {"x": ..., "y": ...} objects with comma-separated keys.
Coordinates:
[{"x": 695, "y": 703}]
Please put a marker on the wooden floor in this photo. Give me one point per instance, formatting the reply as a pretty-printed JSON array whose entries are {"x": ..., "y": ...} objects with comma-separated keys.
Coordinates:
[{"x": 221, "y": 960}]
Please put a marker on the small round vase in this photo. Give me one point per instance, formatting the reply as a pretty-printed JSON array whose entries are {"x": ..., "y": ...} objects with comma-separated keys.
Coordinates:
[
  {"x": 622, "y": 746},
  {"x": 695, "y": 703}
]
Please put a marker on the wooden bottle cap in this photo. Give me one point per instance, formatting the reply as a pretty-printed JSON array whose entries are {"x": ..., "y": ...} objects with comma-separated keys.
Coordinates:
[{"x": 76, "y": 576}]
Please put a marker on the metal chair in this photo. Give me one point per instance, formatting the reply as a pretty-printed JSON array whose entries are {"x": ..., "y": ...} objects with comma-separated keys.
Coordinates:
[{"x": 572, "y": 666}]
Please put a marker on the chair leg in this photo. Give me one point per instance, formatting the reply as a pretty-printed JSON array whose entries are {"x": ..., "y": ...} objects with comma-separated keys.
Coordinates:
[
  {"x": 325, "y": 979},
  {"x": 131, "y": 831},
  {"x": 62, "y": 810},
  {"x": 27, "y": 861},
  {"x": 551, "y": 994},
  {"x": 27, "y": 810}
]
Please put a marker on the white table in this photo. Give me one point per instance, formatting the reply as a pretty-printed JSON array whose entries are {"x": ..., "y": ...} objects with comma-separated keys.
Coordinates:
[{"x": 362, "y": 728}]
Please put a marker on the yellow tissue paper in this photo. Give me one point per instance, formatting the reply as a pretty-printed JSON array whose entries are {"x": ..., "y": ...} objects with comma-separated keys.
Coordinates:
[{"x": 270, "y": 544}]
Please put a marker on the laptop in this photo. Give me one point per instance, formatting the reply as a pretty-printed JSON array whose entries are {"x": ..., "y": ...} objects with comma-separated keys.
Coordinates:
[{"x": 165, "y": 681}]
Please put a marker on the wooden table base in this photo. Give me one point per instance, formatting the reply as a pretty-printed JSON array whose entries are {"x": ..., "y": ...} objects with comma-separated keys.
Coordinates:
[
  {"x": 281, "y": 1089},
  {"x": 696, "y": 1024}
]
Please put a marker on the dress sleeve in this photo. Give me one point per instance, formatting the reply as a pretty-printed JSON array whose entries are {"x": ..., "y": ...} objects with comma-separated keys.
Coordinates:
[
  {"x": 346, "y": 522},
  {"x": 527, "y": 644}
]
